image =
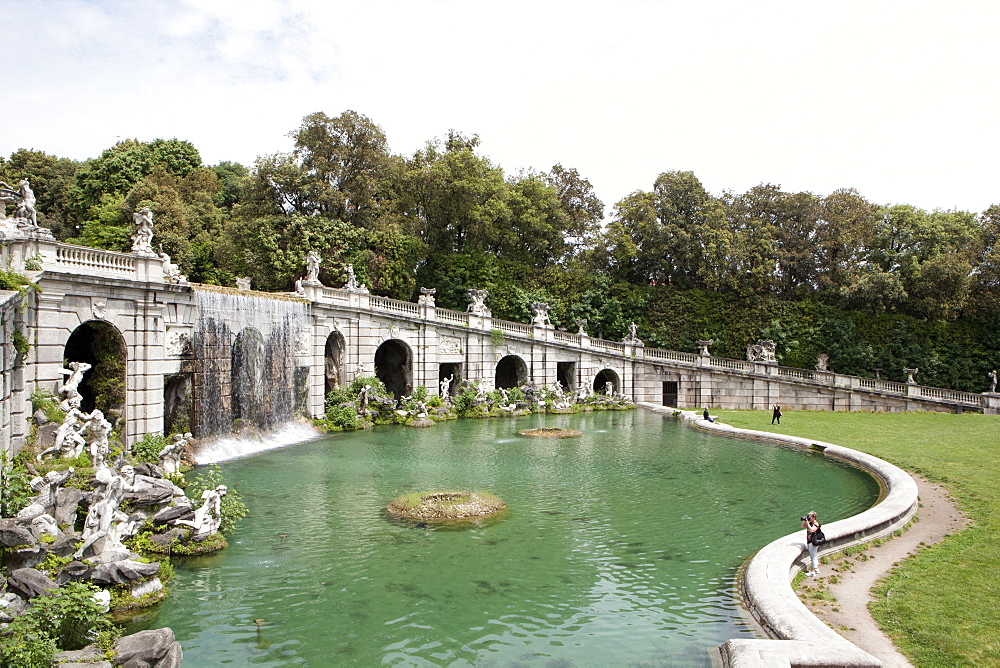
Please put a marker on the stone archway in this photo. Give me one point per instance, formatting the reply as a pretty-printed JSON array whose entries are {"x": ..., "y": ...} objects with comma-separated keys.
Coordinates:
[
  {"x": 511, "y": 372},
  {"x": 393, "y": 366},
  {"x": 334, "y": 362},
  {"x": 102, "y": 346},
  {"x": 606, "y": 379}
]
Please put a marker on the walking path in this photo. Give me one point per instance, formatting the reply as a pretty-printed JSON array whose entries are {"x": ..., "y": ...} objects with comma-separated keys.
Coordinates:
[{"x": 847, "y": 612}]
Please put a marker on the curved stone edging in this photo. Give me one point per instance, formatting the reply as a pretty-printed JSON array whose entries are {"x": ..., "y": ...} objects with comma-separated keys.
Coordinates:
[{"x": 799, "y": 637}]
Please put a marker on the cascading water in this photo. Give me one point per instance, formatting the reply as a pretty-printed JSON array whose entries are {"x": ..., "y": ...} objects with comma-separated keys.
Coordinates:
[{"x": 244, "y": 350}]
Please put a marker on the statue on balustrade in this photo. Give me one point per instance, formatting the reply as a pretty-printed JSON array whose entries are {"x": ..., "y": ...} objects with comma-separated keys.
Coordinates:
[
  {"x": 426, "y": 297},
  {"x": 352, "y": 282},
  {"x": 762, "y": 351},
  {"x": 313, "y": 261},
  {"x": 24, "y": 223},
  {"x": 142, "y": 240},
  {"x": 992, "y": 375},
  {"x": 477, "y": 303},
  {"x": 540, "y": 314},
  {"x": 632, "y": 338}
]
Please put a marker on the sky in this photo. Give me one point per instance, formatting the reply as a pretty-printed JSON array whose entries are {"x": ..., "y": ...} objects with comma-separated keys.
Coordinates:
[{"x": 898, "y": 100}]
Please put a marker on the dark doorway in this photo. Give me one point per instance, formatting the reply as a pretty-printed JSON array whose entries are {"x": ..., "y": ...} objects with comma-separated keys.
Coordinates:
[
  {"x": 566, "y": 375},
  {"x": 511, "y": 372},
  {"x": 670, "y": 393},
  {"x": 101, "y": 346},
  {"x": 452, "y": 370},
  {"x": 606, "y": 382},
  {"x": 392, "y": 367}
]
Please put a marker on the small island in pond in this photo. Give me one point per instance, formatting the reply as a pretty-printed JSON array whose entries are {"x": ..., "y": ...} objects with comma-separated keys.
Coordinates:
[
  {"x": 445, "y": 506},
  {"x": 550, "y": 432}
]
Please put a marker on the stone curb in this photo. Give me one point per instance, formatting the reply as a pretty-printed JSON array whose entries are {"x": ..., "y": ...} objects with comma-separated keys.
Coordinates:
[{"x": 799, "y": 638}]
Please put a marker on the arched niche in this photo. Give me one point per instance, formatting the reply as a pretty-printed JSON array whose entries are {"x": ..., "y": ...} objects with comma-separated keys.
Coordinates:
[
  {"x": 102, "y": 346},
  {"x": 511, "y": 372},
  {"x": 250, "y": 402},
  {"x": 334, "y": 362},
  {"x": 393, "y": 366},
  {"x": 607, "y": 378}
]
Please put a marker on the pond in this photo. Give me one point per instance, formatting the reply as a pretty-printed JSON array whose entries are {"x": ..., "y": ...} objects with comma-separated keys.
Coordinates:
[{"x": 621, "y": 546}]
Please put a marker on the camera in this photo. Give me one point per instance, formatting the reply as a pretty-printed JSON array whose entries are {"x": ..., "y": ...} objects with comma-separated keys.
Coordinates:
[{"x": 804, "y": 518}]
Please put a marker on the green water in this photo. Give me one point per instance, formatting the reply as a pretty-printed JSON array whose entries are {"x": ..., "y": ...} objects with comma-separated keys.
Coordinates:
[{"x": 621, "y": 547}]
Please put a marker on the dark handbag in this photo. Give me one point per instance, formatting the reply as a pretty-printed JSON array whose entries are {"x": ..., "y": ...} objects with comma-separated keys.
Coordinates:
[{"x": 817, "y": 537}]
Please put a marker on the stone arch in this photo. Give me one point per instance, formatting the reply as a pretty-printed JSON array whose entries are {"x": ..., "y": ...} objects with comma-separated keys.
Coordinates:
[
  {"x": 511, "y": 372},
  {"x": 248, "y": 366},
  {"x": 605, "y": 378},
  {"x": 101, "y": 345},
  {"x": 336, "y": 346},
  {"x": 394, "y": 366}
]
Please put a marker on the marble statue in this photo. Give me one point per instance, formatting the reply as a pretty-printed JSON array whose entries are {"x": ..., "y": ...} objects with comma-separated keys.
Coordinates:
[
  {"x": 45, "y": 524},
  {"x": 540, "y": 314},
  {"x": 25, "y": 218},
  {"x": 352, "y": 284},
  {"x": 426, "y": 297},
  {"x": 106, "y": 526},
  {"x": 69, "y": 440},
  {"x": 363, "y": 400},
  {"x": 208, "y": 518},
  {"x": 243, "y": 283},
  {"x": 992, "y": 375},
  {"x": 313, "y": 261},
  {"x": 477, "y": 304},
  {"x": 71, "y": 388},
  {"x": 142, "y": 240},
  {"x": 170, "y": 456},
  {"x": 822, "y": 360},
  {"x": 632, "y": 338},
  {"x": 762, "y": 351},
  {"x": 47, "y": 494},
  {"x": 99, "y": 429},
  {"x": 171, "y": 272},
  {"x": 446, "y": 387}
]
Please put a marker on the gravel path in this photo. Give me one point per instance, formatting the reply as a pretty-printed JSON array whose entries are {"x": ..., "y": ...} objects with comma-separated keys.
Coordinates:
[{"x": 847, "y": 612}]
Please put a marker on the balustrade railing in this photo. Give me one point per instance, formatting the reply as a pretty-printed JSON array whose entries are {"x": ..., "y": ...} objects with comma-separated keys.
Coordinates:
[
  {"x": 566, "y": 337},
  {"x": 508, "y": 327},
  {"x": 726, "y": 363},
  {"x": 950, "y": 395},
  {"x": 456, "y": 317},
  {"x": 395, "y": 305},
  {"x": 79, "y": 257},
  {"x": 669, "y": 355},
  {"x": 336, "y": 295},
  {"x": 880, "y": 385}
]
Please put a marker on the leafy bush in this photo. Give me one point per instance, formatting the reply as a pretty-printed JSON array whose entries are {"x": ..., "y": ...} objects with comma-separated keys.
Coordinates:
[
  {"x": 68, "y": 619},
  {"x": 49, "y": 403},
  {"x": 233, "y": 508},
  {"x": 15, "y": 488},
  {"x": 149, "y": 448}
]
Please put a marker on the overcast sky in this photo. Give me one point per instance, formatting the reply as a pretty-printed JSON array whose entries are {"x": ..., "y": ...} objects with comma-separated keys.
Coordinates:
[{"x": 898, "y": 100}]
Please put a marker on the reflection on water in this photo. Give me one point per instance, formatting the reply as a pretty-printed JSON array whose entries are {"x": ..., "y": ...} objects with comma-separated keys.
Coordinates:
[{"x": 621, "y": 546}]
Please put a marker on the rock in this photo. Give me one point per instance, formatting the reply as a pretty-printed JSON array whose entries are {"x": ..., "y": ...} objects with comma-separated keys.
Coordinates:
[
  {"x": 29, "y": 583},
  {"x": 14, "y": 535},
  {"x": 421, "y": 422},
  {"x": 120, "y": 572},
  {"x": 64, "y": 545},
  {"x": 26, "y": 557},
  {"x": 11, "y": 606},
  {"x": 46, "y": 436},
  {"x": 178, "y": 512},
  {"x": 73, "y": 571},
  {"x": 40, "y": 417},
  {"x": 165, "y": 539},
  {"x": 145, "y": 649},
  {"x": 69, "y": 499},
  {"x": 148, "y": 470},
  {"x": 148, "y": 496}
]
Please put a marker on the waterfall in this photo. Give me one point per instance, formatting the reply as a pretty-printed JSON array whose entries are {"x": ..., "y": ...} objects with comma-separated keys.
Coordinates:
[{"x": 245, "y": 363}]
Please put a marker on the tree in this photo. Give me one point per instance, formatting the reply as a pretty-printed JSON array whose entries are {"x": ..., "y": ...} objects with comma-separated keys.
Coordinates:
[
  {"x": 582, "y": 207},
  {"x": 52, "y": 180}
]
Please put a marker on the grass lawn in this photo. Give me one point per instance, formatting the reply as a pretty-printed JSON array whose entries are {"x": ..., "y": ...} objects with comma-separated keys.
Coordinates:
[{"x": 939, "y": 607}]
